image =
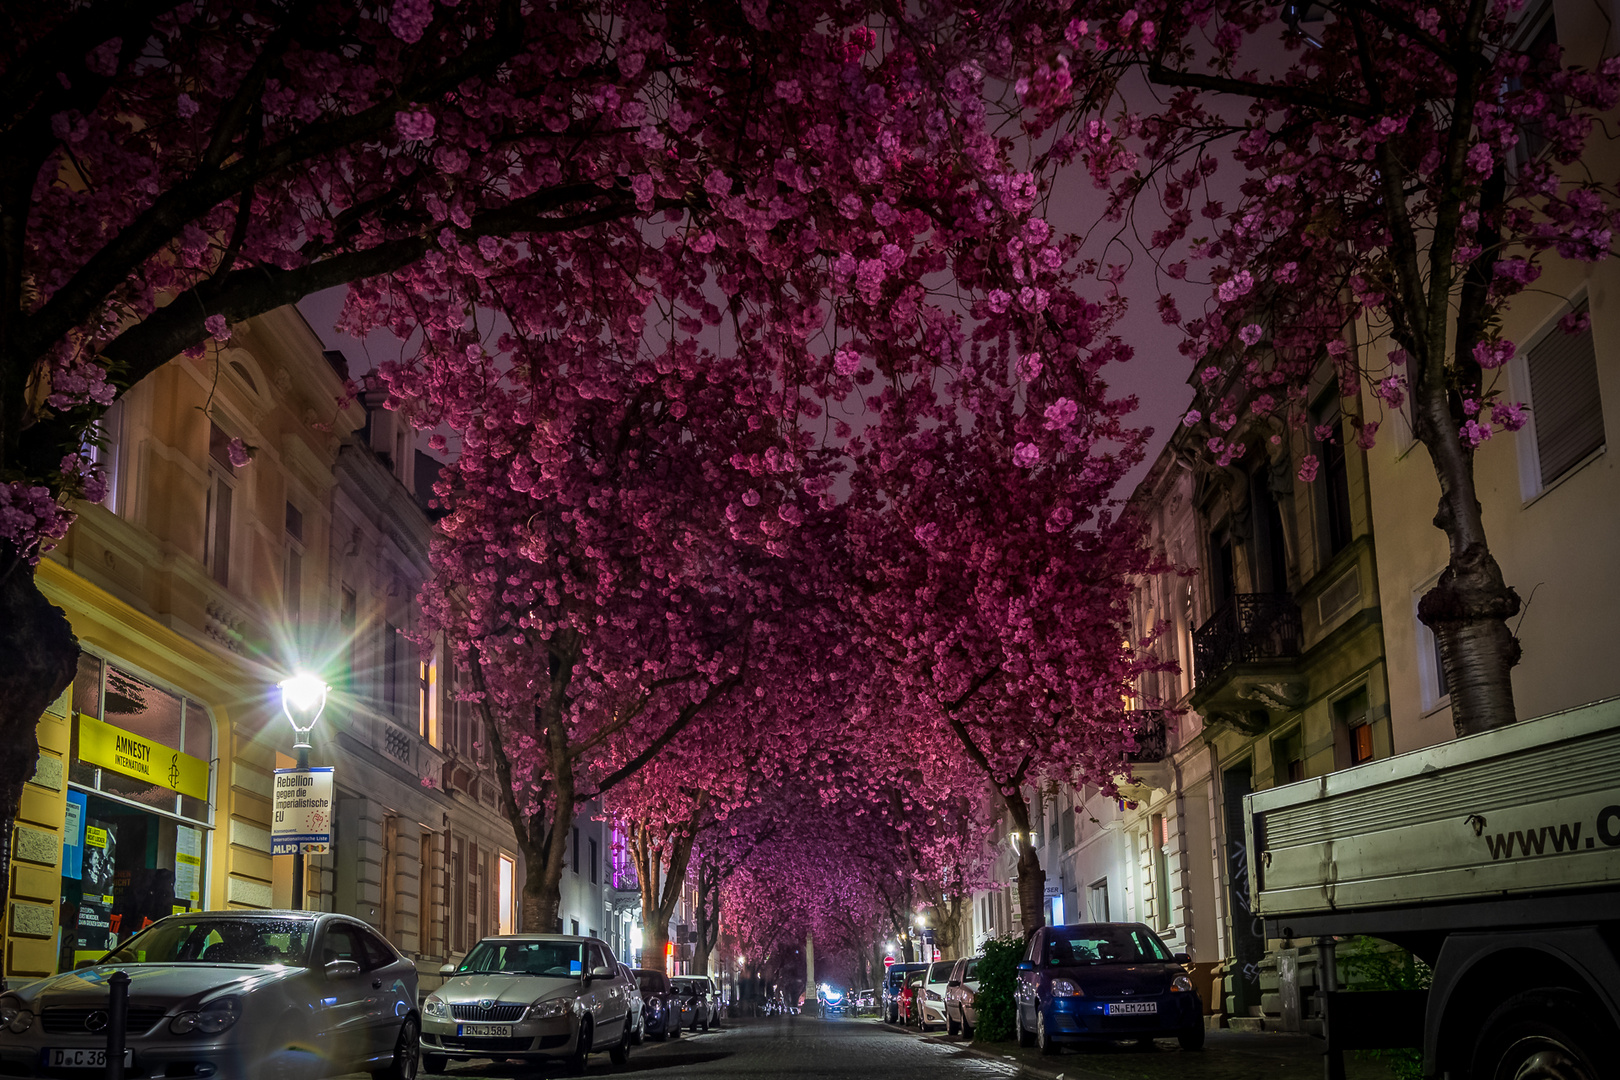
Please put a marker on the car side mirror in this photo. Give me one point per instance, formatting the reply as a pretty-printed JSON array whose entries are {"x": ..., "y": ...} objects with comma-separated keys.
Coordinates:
[
  {"x": 342, "y": 969},
  {"x": 600, "y": 972},
  {"x": 1182, "y": 958},
  {"x": 1025, "y": 965},
  {"x": 447, "y": 969}
]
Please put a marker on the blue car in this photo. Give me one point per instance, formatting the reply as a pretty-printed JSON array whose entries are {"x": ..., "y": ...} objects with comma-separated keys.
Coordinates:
[{"x": 1104, "y": 981}]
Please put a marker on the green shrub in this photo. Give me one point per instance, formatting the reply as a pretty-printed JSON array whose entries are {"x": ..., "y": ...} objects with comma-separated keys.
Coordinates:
[
  {"x": 1369, "y": 964},
  {"x": 998, "y": 976}
]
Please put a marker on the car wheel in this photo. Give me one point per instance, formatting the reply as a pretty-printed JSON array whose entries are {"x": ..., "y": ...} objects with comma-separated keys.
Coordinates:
[
  {"x": 951, "y": 1026},
  {"x": 967, "y": 1029},
  {"x": 641, "y": 1030},
  {"x": 1043, "y": 1038},
  {"x": 1025, "y": 1038},
  {"x": 407, "y": 1048},
  {"x": 582, "y": 1047},
  {"x": 434, "y": 1063},
  {"x": 620, "y": 1054},
  {"x": 675, "y": 1030},
  {"x": 705, "y": 1024},
  {"x": 1545, "y": 1034},
  {"x": 1192, "y": 1038}
]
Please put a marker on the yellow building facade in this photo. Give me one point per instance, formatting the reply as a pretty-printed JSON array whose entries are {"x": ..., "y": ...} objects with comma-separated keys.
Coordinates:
[{"x": 186, "y": 590}]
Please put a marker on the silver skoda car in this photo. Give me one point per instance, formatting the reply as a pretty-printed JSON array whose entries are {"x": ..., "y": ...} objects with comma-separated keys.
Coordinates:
[
  {"x": 530, "y": 997},
  {"x": 227, "y": 994}
]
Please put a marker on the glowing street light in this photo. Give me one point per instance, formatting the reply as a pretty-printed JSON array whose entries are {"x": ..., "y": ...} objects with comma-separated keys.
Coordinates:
[{"x": 303, "y": 699}]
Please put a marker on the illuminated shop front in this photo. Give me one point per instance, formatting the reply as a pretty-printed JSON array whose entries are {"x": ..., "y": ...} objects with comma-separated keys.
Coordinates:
[{"x": 138, "y": 814}]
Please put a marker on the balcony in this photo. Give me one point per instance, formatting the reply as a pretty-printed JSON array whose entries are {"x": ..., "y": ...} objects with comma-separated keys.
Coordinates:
[
  {"x": 1151, "y": 742},
  {"x": 1246, "y": 661}
]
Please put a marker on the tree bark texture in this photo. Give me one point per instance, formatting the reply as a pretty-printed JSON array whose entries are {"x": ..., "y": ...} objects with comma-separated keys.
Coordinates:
[
  {"x": 38, "y": 658},
  {"x": 1031, "y": 878},
  {"x": 662, "y": 854}
]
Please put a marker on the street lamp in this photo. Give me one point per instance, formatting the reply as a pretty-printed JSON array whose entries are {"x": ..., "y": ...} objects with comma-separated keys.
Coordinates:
[{"x": 303, "y": 698}]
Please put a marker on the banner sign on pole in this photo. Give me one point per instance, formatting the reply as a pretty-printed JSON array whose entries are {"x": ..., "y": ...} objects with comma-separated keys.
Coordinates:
[{"x": 301, "y": 812}]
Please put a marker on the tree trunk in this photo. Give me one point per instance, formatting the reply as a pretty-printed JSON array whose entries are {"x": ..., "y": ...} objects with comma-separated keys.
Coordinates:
[
  {"x": 1469, "y": 606},
  {"x": 1031, "y": 878},
  {"x": 41, "y": 656},
  {"x": 662, "y": 859}
]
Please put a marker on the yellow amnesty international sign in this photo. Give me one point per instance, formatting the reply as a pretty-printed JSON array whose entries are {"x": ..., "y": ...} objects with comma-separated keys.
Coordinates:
[{"x": 128, "y": 753}]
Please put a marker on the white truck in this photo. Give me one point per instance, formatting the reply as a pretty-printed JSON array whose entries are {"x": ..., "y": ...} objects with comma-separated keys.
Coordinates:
[{"x": 1496, "y": 859}]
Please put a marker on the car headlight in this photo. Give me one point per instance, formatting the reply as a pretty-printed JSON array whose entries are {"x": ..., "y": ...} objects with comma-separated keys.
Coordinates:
[
  {"x": 555, "y": 1007},
  {"x": 213, "y": 1018},
  {"x": 1066, "y": 988},
  {"x": 14, "y": 1015},
  {"x": 1182, "y": 984},
  {"x": 656, "y": 1005},
  {"x": 930, "y": 995},
  {"x": 435, "y": 1006}
]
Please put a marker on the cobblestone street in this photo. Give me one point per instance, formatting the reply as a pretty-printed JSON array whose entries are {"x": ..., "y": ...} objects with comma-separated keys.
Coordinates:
[{"x": 848, "y": 1048}]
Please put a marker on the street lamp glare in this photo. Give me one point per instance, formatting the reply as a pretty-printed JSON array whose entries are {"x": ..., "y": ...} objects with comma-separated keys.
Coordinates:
[{"x": 303, "y": 697}]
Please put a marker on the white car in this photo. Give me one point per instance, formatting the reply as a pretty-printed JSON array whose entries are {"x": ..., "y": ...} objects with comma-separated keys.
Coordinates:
[
  {"x": 961, "y": 1009},
  {"x": 932, "y": 994}
]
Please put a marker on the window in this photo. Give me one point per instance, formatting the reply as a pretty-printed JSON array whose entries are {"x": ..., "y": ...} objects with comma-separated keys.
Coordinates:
[
  {"x": 1434, "y": 690},
  {"x": 1334, "y": 477},
  {"x": 1222, "y": 573},
  {"x": 390, "y": 673},
  {"x": 1287, "y": 758},
  {"x": 573, "y": 927},
  {"x": 104, "y": 446},
  {"x": 1353, "y": 729},
  {"x": 378, "y": 953},
  {"x": 1160, "y": 841},
  {"x": 1270, "y": 555},
  {"x": 1566, "y": 409},
  {"x": 424, "y": 700},
  {"x": 507, "y": 888},
  {"x": 593, "y": 862},
  {"x": 458, "y": 895},
  {"x": 1097, "y": 901},
  {"x": 341, "y": 944},
  {"x": 221, "y": 492},
  {"x": 1537, "y": 33},
  {"x": 348, "y": 613}
]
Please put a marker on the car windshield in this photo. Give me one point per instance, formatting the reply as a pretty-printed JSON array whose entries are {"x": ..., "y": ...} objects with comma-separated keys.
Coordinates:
[
  {"x": 218, "y": 941},
  {"x": 687, "y": 986},
  {"x": 652, "y": 982},
  {"x": 1069, "y": 945},
  {"x": 553, "y": 959},
  {"x": 941, "y": 970}
]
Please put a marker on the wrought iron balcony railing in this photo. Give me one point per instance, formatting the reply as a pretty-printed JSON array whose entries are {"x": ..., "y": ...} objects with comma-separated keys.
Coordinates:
[
  {"x": 1247, "y": 628},
  {"x": 1151, "y": 740}
]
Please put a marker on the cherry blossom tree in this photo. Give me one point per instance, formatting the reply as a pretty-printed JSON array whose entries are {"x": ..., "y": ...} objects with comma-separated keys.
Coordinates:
[
  {"x": 1407, "y": 167},
  {"x": 993, "y": 584},
  {"x": 792, "y": 180}
]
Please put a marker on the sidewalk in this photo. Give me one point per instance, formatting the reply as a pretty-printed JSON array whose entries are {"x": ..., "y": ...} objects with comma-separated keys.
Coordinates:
[{"x": 1227, "y": 1055}]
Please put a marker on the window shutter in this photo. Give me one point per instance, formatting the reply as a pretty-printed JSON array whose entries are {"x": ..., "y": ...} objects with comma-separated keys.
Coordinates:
[{"x": 1564, "y": 400}]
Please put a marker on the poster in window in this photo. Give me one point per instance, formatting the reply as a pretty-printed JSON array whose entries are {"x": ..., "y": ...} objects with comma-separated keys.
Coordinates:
[{"x": 94, "y": 934}]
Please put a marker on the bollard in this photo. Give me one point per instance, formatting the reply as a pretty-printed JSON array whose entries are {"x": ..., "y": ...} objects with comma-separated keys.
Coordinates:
[
  {"x": 1327, "y": 981},
  {"x": 117, "y": 1014}
]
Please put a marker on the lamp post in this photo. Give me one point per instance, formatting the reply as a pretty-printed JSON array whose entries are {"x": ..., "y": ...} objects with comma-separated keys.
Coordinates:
[{"x": 303, "y": 698}]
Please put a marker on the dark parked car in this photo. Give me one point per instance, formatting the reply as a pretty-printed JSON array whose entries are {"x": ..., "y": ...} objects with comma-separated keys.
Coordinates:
[
  {"x": 1101, "y": 982},
  {"x": 696, "y": 996},
  {"x": 661, "y": 1012},
  {"x": 227, "y": 994},
  {"x": 893, "y": 981}
]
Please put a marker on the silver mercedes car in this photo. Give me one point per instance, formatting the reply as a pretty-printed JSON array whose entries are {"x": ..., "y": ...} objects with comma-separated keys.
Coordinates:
[
  {"x": 530, "y": 997},
  {"x": 227, "y": 994}
]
